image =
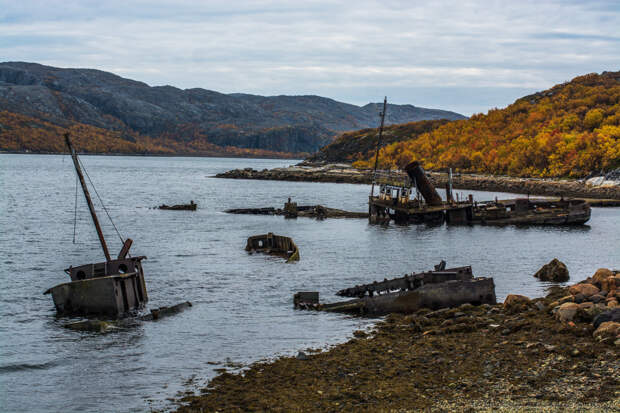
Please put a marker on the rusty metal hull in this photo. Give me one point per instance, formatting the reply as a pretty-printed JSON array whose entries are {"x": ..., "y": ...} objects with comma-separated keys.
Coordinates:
[
  {"x": 503, "y": 212},
  {"x": 275, "y": 245},
  {"x": 575, "y": 212},
  {"x": 112, "y": 296},
  {"x": 442, "y": 295}
]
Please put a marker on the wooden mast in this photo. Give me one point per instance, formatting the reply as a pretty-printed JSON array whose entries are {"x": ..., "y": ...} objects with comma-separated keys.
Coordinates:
[
  {"x": 87, "y": 196},
  {"x": 374, "y": 175}
]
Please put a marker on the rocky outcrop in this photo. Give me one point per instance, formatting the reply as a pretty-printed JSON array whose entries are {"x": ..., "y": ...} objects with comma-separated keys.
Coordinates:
[
  {"x": 555, "y": 271},
  {"x": 595, "y": 301},
  {"x": 277, "y": 123}
]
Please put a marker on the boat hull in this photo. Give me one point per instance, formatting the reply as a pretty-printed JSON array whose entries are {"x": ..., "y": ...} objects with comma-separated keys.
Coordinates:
[
  {"x": 438, "y": 295},
  {"x": 111, "y": 296}
]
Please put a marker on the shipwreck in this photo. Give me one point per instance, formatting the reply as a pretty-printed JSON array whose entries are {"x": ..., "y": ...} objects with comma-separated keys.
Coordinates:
[
  {"x": 180, "y": 207},
  {"x": 396, "y": 201},
  {"x": 111, "y": 288},
  {"x": 274, "y": 245},
  {"x": 414, "y": 200},
  {"x": 292, "y": 210},
  {"x": 440, "y": 288}
]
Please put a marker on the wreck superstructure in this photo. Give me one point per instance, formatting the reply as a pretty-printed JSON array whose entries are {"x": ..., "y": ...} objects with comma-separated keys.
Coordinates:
[{"x": 111, "y": 288}]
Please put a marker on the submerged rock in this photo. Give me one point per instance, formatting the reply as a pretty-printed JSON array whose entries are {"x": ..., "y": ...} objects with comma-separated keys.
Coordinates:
[{"x": 555, "y": 271}]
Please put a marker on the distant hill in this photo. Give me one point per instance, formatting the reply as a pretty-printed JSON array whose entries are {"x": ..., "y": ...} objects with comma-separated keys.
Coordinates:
[
  {"x": 362, "y": 144},
  {"x": 572, "y": 129},
  {"x": 170, "y": 120}
]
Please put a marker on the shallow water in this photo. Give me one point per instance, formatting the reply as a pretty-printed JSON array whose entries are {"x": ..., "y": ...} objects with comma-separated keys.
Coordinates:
[{"x": 242, "y": 303}]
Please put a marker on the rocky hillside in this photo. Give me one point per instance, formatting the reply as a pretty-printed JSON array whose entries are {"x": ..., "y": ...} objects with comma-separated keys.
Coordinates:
[
  {"x": 572, "y": 129},
  {"x": 70, "y": 97}
]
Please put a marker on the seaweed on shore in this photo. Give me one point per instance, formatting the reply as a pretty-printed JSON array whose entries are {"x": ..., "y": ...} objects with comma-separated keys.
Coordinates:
[{"x": 511, "y": 357}]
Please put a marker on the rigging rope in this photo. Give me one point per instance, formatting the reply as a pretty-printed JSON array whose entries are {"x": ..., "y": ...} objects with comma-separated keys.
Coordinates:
[
  {"x": 75, "y": 207},
  {"x": 101, "y": 201}
]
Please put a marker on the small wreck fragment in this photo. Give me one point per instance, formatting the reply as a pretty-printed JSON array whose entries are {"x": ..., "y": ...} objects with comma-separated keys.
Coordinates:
[
  {"x": 111, "y": 288},
  {"x": 274, "y": 245},
  {"x": 181, "y": 207},
  {"x": 436, "y": 289}
]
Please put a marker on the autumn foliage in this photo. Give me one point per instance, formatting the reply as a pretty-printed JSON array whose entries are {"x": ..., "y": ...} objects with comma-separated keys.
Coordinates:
[
  {"x": 570, "y": 130},
  {"x": 20, "y": 133}
]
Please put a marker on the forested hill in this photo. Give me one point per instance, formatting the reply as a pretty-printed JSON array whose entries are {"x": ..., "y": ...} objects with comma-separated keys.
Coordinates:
[
  {"x": 571, "y": 129},
  {"x": 170, "y": 120}
]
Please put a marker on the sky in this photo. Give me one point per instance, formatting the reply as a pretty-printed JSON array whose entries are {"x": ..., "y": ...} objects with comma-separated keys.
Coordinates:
[{"x": 466, "y": 56}]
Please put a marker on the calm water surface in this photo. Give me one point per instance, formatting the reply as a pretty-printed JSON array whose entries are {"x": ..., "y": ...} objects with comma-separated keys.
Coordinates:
[{"x": 242, "y": 304}]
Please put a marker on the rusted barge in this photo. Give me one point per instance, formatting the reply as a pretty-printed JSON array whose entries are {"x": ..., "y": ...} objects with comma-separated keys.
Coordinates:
[
  {"x": 273, "y": 244},
  {"x": 395, "y": 202},
  {"x": 436, "y": 289},
  {"x": 111, "y": 288}
]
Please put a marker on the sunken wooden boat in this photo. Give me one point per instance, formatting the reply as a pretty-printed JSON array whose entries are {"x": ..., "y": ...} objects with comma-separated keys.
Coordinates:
[
  {"x": 112, "y": 288},
  {"x": 436, "y": 289},
  {"x": 274, "y": 245}
]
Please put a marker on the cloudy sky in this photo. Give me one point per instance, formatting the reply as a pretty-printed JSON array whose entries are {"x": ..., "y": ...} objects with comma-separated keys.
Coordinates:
[{"x": 467, "y": 56}]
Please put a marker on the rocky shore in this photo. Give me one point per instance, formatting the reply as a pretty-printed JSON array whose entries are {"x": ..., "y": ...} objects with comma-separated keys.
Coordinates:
[
  {"x": 344, "y": 173},
  {"x": 557, "y": 353}
]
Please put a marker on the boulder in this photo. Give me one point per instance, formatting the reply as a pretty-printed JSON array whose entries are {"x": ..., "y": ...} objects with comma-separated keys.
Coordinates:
[
  {"x": 612, "y": 304},
  {"x": 566, "y": 312},
  {"x": 515, "y": 302},
  {"x": 579, "y": 298},
  {"x": 566, "y": 299},
  {"x": 601, "y": 275},
  {"x": 609, "y": 315},
  {"x": 608, "y": 329},
  {"x": 585, "y": 289},
  {"x": 555, "y": 271},
  {"x": 597, "y": 298}
]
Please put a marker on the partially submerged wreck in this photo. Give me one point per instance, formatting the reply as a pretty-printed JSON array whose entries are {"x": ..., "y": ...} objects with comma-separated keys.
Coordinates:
[
  {"x": 292, "y": 210},
  {"x": 275, "y": 245},
  {"x": 436, "y": 289},
  {"x": 395, "y": 202},
  {"x": 111, "y": 288},
  {"x": 180, "y": 207}
]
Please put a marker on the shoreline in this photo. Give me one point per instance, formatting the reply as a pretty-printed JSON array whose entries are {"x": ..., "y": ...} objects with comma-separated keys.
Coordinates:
[
  {"x": 343, "y": 173},
  {"x": 545, "y": 354}
]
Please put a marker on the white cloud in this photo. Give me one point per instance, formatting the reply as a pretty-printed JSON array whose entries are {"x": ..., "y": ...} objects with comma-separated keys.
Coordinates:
[{"x": 355, "y": 51}]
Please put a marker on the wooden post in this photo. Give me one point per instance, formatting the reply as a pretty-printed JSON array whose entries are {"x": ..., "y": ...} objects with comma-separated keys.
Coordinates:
[{"x": 87, "y": 196}]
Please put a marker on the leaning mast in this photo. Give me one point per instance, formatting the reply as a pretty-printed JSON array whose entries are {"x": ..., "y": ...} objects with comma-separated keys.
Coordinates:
[{"x": 91, "y": 207}]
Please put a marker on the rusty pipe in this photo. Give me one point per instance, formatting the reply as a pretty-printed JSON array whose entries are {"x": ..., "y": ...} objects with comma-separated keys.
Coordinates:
[{"x": 426, "y": 188}]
